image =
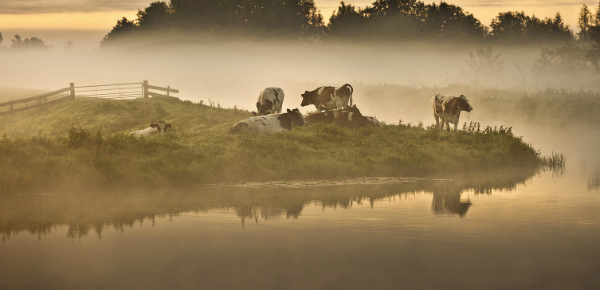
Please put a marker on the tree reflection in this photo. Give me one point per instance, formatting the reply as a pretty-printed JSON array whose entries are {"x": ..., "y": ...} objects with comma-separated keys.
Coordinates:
[{"x": 93, "y": 212}]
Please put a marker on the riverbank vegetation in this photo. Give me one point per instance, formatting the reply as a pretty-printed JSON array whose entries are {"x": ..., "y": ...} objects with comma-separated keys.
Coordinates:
[{"x": 83, "y": 145}]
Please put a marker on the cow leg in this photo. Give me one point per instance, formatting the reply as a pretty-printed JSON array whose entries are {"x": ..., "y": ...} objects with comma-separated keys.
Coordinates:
[
  {"x": 437, "y": 121},
  {"x": 455, "y": 126},
  {"x": 448, "y": 126}
]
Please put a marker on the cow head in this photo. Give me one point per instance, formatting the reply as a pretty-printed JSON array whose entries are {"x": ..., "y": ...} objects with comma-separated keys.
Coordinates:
[
  {"x": 308, "y": 98},
  {"x": 264, "y": 108},
  {"x": 297, "y": 117},
  {"x": 353, "y": 109},
  {"x": 161, "y": 126},
  {"x": 463, "y": 104}
]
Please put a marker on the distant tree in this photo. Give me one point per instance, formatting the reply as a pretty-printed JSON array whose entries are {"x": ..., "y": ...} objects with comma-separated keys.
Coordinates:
[
  {"x": 157, "y": 16},
  {"x": 450, "y": 21},
  {"x": 509, "y": 26},
  {"x": 485, "y": 63},
  {"x": 1, "y": 39},
  {"x": 566, "y": 60},
  {"x": 123, "y": 30},
  {"x": 516, "y": 27},
  {"x": 584, "y": 23},
  {"x": 32, "y": 43},
  {"x": 346, "y": 22},
  {"x": 596, "y": 19},
  {"x": 68, "y": 45},
  {"x": 593, "y": 54}
]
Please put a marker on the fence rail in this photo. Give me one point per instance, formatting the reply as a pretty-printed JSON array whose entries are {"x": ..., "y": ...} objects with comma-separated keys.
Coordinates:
[{"x": 122, "y": 91}]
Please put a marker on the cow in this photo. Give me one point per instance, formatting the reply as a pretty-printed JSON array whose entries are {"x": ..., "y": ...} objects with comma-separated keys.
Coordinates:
[
  {"x": 447, "y": 108},
  {"x": 329, "y": 98},
  {"x": 328, "y": 116},
  {"x": 355, "y": 120},
  {"x": 160, "y": 127},
  {"x": 270, "y": 101},
  {"x": 270, "y": 124}
]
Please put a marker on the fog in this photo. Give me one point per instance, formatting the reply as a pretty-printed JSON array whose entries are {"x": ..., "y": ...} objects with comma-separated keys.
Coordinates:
[
  {"x": 392, "y": 81},
  {"x": 233, "y": 73}
]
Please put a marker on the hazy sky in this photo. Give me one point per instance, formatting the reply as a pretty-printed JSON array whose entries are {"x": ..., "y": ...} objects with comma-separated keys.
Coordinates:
[{"x": 103, "y": 14}]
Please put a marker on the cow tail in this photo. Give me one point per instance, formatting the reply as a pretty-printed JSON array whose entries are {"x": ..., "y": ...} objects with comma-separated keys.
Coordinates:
[{"x": 351, "y": 92}]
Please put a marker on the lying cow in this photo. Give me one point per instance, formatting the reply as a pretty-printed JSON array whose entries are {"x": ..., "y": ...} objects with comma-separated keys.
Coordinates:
[
  {"x": 447, "y": 108},
  {"x": 329, "y": 98},
  {"x": 160, "y": 127},
  {"x": 328, "y": 116},
  {"x": 270, "y": 124},
  {"x": 355, "y": 120},
  {"x": 269, "y": 102}
]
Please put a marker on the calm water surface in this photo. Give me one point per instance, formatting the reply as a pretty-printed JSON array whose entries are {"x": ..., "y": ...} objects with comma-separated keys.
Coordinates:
[{"x": 509, "y": 229}]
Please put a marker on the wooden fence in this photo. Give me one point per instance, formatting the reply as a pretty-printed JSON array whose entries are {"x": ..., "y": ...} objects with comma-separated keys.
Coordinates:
[{"x": 112, "y": 91}]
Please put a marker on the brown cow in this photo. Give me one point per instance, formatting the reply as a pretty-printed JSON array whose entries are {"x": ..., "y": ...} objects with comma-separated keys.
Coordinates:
[
  {"x": 354, "y": 120},
  {"x": 328, "y": 116},
  {"x": 447, "y": 108},
  {"x": 329, "y": 98}
]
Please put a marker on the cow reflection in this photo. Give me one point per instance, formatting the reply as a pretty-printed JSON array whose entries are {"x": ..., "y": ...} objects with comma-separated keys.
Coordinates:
[
  {"x": 446, "y": 201},
  {"x": 266, "y": 213}
]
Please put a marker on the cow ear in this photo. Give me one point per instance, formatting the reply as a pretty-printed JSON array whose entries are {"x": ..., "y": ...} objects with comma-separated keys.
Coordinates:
[
  {"x": 289, "y": 111},
  {"x": 153, "y": 125}
]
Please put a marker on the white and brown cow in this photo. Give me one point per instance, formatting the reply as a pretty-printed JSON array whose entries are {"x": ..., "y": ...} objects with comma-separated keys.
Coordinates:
[
  {"x": 355, "y": 120},
  {"x": 328, "y": 116},
  {"x": 269, "y": 124},
  {"x": 329, "y": 98},
  {"x": 160, "y": 127},
  {"x": 269, "y": 101},
  {"x": 447, "y": 108}
]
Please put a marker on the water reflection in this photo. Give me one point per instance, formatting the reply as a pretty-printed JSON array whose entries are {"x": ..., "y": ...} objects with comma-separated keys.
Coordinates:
[
  {"x": 447, "y": 201},
  {"x": 94, "y": 212}
]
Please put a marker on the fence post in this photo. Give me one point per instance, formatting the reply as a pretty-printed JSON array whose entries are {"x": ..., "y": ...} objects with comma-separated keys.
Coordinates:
[
  {"x": 168, "y": 88},
  {"x": 145, "y": 89},
  {"x": 72, "y": 90},
  {"x": 11, "y": 107}
]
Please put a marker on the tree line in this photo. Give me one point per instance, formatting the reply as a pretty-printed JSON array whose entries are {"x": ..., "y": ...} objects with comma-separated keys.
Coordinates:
[{"x": 382, "y": 20}]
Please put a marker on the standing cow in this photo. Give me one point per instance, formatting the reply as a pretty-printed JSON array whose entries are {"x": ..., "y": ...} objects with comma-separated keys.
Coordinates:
[
  {"x": 270, "y": 124},
  {"x": 269, "y": 102},
  {"x": 329, "y": 98},
  {"x": 448, "y": 109}
]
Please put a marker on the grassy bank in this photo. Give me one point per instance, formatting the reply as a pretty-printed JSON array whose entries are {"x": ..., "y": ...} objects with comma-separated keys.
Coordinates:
[{"x": 83, "y": 145}]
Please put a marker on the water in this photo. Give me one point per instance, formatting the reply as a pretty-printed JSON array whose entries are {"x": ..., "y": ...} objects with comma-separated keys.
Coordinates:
[{"x": 503, "y": 229}]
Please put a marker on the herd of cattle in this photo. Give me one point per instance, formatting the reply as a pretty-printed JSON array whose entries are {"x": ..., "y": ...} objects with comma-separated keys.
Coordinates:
[{"x": 334, "y": 105}]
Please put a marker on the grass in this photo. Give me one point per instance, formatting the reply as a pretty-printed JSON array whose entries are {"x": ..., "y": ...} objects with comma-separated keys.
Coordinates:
[{"x": 83, "y": 145}]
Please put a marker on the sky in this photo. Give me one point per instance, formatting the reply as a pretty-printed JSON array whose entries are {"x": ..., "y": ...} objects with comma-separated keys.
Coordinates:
[{"x": 48, "y": 17}]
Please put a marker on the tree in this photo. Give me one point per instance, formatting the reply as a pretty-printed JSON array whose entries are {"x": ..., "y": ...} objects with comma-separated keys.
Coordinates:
[
  {"x": 123, "y": 30},
  {"x": 516, "y": 27},
  {"x": 450, "y": 21},
  {"x": 32, "y": 43},
  {"x": 509, "y": 26},
  {"x": 155, "y": 17},
  {"x": 1, "y": 39},
  {"x": 346, "y": 22},
  {"x": 584, "y": 23}
]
